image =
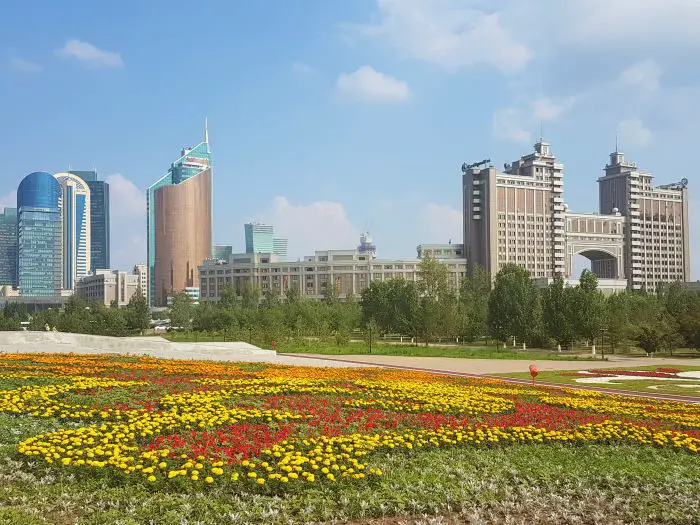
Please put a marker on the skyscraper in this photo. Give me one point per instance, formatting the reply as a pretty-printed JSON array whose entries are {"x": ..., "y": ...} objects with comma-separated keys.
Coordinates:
[
  {"x": 260, "y": 238},
  {"x": 179, "y": 223},
  {"x": 99, "y": 219},
  {"x": 75, "y": 208},
  {"x": 39, "y": 235},
  {"x": 657, "y": 246},
  {"x": 8, "y": 247}
]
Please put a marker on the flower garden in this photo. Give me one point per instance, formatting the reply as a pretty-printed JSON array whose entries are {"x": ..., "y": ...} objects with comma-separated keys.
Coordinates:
[{"x": 270, "y": 435}]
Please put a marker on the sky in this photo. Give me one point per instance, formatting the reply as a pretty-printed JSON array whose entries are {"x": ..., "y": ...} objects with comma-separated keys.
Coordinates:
[{"x": 329, "y": 118}]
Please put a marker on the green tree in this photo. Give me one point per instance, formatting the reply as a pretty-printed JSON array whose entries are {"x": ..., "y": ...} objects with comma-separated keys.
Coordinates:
[
  {"x": 181, "y": 312},
  {"x": 250, "y": 296},
  {"x": 617, "y": 323},
  {"x": 293, "y": 294},
  {"x": 513, "y": 305},
  {"x": 558, "y": 312},
  {"x": 271, "y": 298},
  {"x": 474, "y": 304},
  {"x": 590, "y": 306},
  {"x": 138, "y": 314},
  {"x": 228, "y": 298},
  {"x": 438, "y": 312}
]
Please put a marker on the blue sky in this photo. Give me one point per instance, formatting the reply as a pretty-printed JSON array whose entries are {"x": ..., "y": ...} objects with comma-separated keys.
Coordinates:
[{"x": 329, "y": 117}]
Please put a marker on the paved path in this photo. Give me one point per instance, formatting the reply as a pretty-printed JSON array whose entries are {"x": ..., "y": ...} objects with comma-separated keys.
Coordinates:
[
  {"x": 485, "y": 368},
  {"x": 498, "y": 366}
]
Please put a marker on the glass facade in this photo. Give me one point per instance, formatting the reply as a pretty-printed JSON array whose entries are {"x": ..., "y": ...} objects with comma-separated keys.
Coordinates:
[
  {"x": 39, "y": 235},
  {"x": 220, "y": 251},
  {"x": 8, "y": 247},
  {"x": 99, "y": 220},
  {"x": 193, "y": 161},
  {"x": 260, "y": 238}
]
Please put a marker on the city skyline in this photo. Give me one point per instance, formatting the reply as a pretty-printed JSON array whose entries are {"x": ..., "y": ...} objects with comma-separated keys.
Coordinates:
[{"x": 351, "y": 118}]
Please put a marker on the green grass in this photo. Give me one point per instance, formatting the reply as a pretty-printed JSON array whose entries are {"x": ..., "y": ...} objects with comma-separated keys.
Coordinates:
[
  {"x": 636, "y": 385},
  {"x": 525, "y": 483},
  {"x": 430, "y": 351}
]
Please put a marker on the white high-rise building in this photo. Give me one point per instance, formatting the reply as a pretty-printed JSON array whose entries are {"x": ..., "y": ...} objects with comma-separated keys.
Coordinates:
[{"x": 75, "y": 210}]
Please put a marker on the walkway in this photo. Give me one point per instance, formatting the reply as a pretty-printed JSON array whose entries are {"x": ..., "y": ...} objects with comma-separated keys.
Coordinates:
[{"x": 487, "y": 368}]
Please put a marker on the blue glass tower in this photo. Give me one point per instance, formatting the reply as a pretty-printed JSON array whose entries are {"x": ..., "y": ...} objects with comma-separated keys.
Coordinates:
[
  {"x": 39, "y": 235},
  {"x": 99, "y": 219},
  {"x": 8, "y": 247}
]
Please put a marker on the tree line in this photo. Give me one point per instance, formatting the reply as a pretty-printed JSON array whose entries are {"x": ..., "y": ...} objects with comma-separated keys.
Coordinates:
[{"x": 508, "y": 309}]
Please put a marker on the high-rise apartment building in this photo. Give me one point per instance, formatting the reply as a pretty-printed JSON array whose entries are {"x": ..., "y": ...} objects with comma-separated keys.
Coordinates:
[
  {"x": 639, "y": 238},
  {"x": 260, "y": 238},
  {"x": 75, "y": 209},
  {"x": 656, "y": 238},
  {"x": 8, "y": 247},
  {"x": 179, "y": 219},
  {"x": 39, "y": 235},
  {"x": 515, "y": 216},
  {"x": 99, "y": 219}
]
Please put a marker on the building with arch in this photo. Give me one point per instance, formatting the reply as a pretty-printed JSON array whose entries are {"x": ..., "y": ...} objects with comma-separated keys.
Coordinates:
[
  {"x": 39, "y": 235},
  {"x": 75, "y": 209},
  {"x": 638, "y": 240}
]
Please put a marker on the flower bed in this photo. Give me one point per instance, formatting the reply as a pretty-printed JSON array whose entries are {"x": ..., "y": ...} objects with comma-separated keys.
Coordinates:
[{"x": 276, "y": 427}]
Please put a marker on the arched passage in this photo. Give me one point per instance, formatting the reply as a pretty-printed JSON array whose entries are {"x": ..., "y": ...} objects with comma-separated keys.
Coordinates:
[{"x": 605, "y": 264}]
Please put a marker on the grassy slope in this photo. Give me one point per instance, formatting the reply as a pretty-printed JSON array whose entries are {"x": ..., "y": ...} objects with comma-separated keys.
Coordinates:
[{"x": 554, "y": 484}]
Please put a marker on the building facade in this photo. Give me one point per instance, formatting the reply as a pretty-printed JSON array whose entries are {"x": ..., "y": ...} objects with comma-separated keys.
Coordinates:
[
  {"x": 656, "y": 240},
  {"x": 8, "y": 247},
  {"x": 39, "y": 235},
  {"x": 260, "y": 238},
  {"x": 222, "y": 252},
  {"x": 99, "y": 219},
  {"x": 113, "y": 286},
  {"x": 75, "y": 209},
  {"x": 179, "y": 208},
  {"x": 349, "y": 271},
  {"x": 639, "y": 237}
]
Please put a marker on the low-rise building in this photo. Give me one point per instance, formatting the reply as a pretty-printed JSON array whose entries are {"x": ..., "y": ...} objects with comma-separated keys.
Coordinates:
[
  {"x": 349, "y": 271},
  {"x": 107, "y": 286}
]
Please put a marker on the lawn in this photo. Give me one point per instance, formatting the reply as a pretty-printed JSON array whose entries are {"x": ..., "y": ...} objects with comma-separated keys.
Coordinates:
[
  {"x": 685, "y": 386},
  {"x": 97, "y": 439}
]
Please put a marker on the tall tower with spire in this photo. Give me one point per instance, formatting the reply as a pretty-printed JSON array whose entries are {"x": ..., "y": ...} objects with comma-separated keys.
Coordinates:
[{"x": 180, "y": 224}]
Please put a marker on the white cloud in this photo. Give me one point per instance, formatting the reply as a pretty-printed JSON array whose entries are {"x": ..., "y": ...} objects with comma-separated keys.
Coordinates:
[
  {"x": 633, "y": 133},
  {"x": 546, "y": 109},
  {"x": 128, "y": 218},
  {"x": 441, "y": 223},
  {"x": 8, "y": 201},
  {"x": 321, "y": 225},
  {"x": 642, "y": 75},
  {"x": 90, "y": 54},
  {"x": 508, "y": 125},
  {"x": 368, "y": 85},
  {"x": 451, "y": 34},
  {"x": 301, "y": 68},
  {"x": 25, "y": 66},
  {"x": 126, "y": 199}
]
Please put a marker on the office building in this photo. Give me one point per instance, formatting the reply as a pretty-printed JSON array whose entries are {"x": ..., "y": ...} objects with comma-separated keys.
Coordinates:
[
  {"x": 112, "y": 286},
  {"x": 8, "y": 247},
  {"x": 656, "y": 239},
  {"x": 221, "y": 252},
  {"x": 75, "y": 209},
  {"x": 99, "y": 219},
  {"x": 349, "y": 271},
  {"x": 519, "y": 216},
  {"x": 179, "y": 207},
  {"x": 260, "y": 238},
  {"x": 39, "y": 235}
]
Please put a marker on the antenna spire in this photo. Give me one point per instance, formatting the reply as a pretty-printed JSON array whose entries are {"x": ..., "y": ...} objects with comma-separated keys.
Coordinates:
[
  {"x": 206, "y": 130},
  {"x": 617, "y": 139}
]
